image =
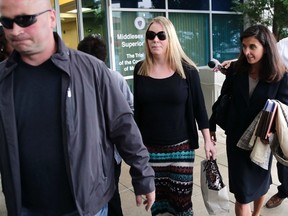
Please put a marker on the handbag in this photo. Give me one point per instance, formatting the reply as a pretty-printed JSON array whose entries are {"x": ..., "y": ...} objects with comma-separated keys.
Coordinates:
[
  {"x": 214, "y": 191},
  {"x": 220, "y": 110}
]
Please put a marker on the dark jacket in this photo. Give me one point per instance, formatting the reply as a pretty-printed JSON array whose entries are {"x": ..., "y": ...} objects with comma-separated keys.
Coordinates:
[
  {"x": 243, "y": 109},
  {"x": 195, "y": 106},
  {"x": 94, "y": 115}
]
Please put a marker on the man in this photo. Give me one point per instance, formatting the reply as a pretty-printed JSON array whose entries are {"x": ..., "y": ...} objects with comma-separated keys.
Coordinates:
[
  {"x": 60, "y": 113},
  {"x": 282, "y": 170},
  {"x": 94, "y": 45}
]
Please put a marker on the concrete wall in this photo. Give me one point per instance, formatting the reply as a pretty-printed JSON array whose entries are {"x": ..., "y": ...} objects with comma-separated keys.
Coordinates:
[{"x": 211, "y": 83}]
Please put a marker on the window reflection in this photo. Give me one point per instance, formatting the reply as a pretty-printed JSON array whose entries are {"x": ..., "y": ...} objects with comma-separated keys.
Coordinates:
[
  {"x": 188, "y": 5},
  {"x": 193, "y": 35},
  {"x": 95, "y": 21},
  {"x": 217, "y": 5},
  {"x": 226, "y": 31},
  {"x": 222, "y": 5},
  {"x": 157, "y": 4}
]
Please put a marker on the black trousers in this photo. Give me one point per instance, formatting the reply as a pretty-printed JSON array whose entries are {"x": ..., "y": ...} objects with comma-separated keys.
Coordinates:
[
  {"x": 283, "y": 178},
  {"x": 114, "y": 205}
]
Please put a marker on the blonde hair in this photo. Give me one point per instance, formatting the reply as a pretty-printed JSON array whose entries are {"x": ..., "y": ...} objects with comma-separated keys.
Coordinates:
[{"x": 175, "y": 55}]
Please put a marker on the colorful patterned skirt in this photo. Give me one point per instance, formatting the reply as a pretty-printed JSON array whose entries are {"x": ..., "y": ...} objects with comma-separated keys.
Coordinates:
[{"x": 173, "y": 166}]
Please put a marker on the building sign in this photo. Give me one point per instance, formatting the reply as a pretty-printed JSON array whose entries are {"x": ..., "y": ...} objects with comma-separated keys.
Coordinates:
[
  {"x": 139, "y": 23},
  {"x": 129, "y": 41},
  {"x": 131, "y": 45}
]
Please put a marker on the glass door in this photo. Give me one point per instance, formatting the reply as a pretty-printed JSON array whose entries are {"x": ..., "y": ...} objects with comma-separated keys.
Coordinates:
[{"x": 67, "y": 25}]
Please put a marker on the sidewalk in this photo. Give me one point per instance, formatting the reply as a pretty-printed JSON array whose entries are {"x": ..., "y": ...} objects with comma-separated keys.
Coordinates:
[{"x": 128, "y": 198}]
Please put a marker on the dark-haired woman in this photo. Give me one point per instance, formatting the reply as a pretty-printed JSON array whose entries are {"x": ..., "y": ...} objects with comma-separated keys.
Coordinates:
[{"x": 258, "y": 74}]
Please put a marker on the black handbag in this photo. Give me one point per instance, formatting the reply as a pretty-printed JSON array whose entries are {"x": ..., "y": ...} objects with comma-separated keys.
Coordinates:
[
  {"x": 220, "y": 110},
  {"x": 213, "y": 176}
]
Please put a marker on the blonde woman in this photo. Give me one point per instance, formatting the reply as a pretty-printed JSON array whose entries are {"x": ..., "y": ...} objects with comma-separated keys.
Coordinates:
[{"x": 168, "y": 101}]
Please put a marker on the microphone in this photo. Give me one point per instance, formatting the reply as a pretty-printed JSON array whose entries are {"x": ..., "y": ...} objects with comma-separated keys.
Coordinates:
[{"x": 216, "y": 66}]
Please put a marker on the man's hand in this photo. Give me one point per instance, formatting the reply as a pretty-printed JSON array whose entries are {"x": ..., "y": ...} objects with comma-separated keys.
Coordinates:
[
  {"x": 148, "y": 202},
  {"x": 224, "y": 66}
]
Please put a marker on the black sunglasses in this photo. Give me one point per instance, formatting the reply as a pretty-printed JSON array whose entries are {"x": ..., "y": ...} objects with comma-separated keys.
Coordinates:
[
  {"x": 21, "y": 20},
  {"x": 150, "y": 35}
]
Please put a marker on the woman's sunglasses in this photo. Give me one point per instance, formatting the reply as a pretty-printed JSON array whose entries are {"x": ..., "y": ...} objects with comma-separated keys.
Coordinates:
[
  {"x": 150, "y": 35},
  {"x": 21, "y": 20}
]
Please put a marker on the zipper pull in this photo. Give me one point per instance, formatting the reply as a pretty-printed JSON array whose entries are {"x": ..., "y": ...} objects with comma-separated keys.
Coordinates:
[{"x": 69, "y": 93}]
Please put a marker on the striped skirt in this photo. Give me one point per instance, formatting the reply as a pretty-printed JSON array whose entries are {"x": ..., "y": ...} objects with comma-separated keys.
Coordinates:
[{"x": 173, "y": 166}]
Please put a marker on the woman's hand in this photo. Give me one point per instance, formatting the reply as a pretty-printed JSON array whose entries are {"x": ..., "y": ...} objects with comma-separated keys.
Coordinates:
[
  {"x": 209, "y": 144},
  {"x": 210, "y": 149},
  {"x": 213, "y": 136}
]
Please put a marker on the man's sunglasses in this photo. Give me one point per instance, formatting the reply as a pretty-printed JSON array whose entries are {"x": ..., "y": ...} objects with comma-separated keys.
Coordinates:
[
  {"x": 21, "y": 20},
  {"x": 150, "y": 35}
]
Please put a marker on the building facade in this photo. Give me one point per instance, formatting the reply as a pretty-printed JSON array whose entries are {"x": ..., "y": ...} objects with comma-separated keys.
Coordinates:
[{"x": 207, "y": 29}]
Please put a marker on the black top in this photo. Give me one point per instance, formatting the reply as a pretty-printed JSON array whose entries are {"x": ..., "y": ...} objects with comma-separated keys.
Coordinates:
[
  {"x": 44, "y": 178},
  {"x": 162, "y": 105},
  {"x": 195, "y": 111}
]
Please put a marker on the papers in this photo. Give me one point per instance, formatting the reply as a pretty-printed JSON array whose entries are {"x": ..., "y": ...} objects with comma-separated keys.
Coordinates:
[{"x": 266, "y": 122}]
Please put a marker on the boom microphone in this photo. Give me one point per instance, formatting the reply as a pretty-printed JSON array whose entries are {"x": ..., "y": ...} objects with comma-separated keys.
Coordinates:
[{"x": 216, "y": 66}]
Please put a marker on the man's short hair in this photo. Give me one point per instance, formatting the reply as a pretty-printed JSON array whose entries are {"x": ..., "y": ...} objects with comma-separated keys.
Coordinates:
[{"x": 93, "y": 45}]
